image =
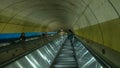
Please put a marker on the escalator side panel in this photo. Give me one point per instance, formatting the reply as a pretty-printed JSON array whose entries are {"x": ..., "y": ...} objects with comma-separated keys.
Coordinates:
[
  {"x": 84, "y": 58},
  {"x": 40, "y": 58}
]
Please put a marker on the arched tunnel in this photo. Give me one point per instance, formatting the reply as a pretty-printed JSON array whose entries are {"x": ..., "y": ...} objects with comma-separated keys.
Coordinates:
[{"x": 95, "y": 22}]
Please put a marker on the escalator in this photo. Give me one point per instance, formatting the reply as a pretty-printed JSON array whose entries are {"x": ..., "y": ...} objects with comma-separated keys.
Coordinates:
[
  {"x": 40, "y": 58},
  {"x": 66, "y": 58},
  {"x": 60, "y": 53}
]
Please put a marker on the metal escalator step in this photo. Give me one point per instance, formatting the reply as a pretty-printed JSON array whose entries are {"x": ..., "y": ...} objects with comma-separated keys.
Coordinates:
[
  {"x": 66, "y": 63},
  {"x": 65, "y": 56},
  {"x": 67, "y": 52},
  {"x": 66, "y": 59},
  {"x": 67, "y": 45},
  {"x": 65, "y": 66},
  {"x": 68, "y": 55},
  {"x": 66, "y": 49}
]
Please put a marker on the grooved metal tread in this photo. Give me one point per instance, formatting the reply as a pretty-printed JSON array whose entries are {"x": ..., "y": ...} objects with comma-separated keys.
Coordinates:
[{"x": 66, "y": 58}]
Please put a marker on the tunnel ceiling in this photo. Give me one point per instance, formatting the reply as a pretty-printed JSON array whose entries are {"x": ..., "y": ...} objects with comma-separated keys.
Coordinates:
[
  {"x": 50, "y": 15},
  {"x": 44, "y": 14}
]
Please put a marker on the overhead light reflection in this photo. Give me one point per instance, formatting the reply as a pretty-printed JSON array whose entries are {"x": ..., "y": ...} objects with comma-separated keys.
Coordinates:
[
  {"x": 19, "y": 65},
  {"x": 36, "y": 62},
  {"x": 34, "y": 66}
]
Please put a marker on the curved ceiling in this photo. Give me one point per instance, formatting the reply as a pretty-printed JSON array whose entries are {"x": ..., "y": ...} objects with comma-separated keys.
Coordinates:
[{"x": 39, "y": 13}]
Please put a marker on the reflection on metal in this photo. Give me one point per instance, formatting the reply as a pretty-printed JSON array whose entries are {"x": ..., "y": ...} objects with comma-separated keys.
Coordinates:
[
  {"x": 84, "y": 57},
  {"x": 66, "y": 57},
  {"x": 40, "y": 58},
  {"x": 44, "y": 57}
]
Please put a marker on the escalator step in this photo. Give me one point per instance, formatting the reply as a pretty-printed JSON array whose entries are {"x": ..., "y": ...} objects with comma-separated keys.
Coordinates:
[
  {"x": 65, "y": 66},
  {"x": 66, "y": 63},
  {"x": 67, "y": 47},
  {"x": 66, "y": 54},
  {"x": 66, "y": 58}
]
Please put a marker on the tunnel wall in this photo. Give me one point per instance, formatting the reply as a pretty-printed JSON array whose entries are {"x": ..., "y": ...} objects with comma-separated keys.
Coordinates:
[
  {"x": 10, "y": 28},
  {"x": 100, "y": 22},
  {"x": 96, "y": 20}
]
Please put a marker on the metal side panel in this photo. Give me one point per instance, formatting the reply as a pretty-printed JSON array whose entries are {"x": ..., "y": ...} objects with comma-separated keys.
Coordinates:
[
  {"x": 40, "y": 58},
  {"x": 84, "y": 58}
]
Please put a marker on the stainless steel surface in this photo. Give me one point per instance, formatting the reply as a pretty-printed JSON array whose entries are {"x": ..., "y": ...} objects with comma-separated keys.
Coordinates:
[
  {"x": 66, "y": 58},
  {"x": 40, "y": 58},
  {"x": 84, "y": 57},
  {"x": 70, "y": 56}
]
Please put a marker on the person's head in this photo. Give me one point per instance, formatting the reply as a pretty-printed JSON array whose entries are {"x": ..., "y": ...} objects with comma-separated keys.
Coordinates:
[
  {"x": 61, "y": 30},
  {"x": 22, "y": 34},
  {"x": 70, "y": 30}
]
